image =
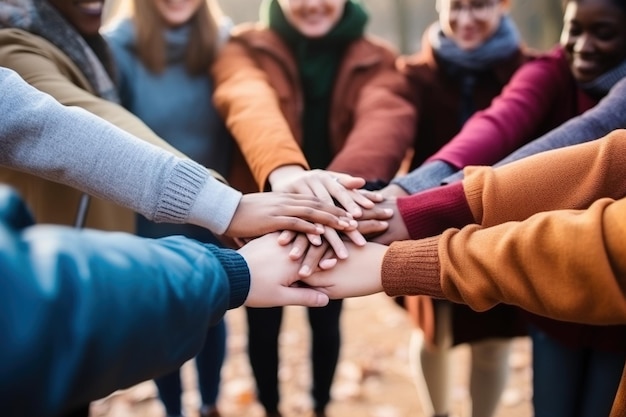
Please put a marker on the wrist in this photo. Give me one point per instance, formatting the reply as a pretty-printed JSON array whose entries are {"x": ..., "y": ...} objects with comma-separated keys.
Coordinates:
[{"x": 285, "y": 173}]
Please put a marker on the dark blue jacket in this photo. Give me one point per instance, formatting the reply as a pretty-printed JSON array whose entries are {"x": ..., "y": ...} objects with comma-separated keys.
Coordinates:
[{"x": 84, "y": 313}]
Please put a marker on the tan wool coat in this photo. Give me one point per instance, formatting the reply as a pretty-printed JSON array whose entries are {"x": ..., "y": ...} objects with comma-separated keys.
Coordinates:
[{"x": 48, "y": 69}]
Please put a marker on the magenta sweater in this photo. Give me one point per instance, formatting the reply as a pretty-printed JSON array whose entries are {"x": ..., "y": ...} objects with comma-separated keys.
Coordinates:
[{"x": 541, "y": 95}]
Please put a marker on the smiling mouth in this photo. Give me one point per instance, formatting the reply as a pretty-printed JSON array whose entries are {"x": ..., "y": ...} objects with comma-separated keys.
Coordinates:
[
  {"x": 93, "y": 8},
  {"x": 585, "y": 66}
]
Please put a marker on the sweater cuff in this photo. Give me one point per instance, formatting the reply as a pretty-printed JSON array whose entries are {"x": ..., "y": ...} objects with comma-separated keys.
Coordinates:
[
  {"x": 180, "y": 192},
  {"x": 215, "y": 206},
  {"x": 412, "y": 268},
  {"x": 431, "y": 212},
  {"x": 238, "y": 275}
]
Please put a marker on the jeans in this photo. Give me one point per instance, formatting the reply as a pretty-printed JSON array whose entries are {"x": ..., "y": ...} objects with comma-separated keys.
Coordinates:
[{"x": 573, "y": 382}]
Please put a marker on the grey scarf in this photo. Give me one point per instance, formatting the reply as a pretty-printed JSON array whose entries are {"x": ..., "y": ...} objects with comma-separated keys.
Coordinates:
[
  {"x": 504, "y": 42},
  {"x": 42, "y": 19},
  {"x": 600, "y": 86}
]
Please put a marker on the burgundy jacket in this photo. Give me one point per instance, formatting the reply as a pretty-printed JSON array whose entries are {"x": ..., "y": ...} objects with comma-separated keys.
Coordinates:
[
  {"x": 437, "y": 97},
  {"x": 542, "y": 95}
]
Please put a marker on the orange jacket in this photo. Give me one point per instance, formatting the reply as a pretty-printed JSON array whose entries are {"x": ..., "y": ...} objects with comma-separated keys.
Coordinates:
[{"x": 257, "y": 92}]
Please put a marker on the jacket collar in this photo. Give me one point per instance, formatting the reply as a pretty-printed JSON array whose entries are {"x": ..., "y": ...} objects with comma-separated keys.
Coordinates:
[
  {"x": 257, "y": 36},
  {"x": 502, "y": 71}
]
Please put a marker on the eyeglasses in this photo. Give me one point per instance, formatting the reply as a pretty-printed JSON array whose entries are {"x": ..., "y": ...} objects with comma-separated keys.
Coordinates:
[{"x": 479, "y": 10}]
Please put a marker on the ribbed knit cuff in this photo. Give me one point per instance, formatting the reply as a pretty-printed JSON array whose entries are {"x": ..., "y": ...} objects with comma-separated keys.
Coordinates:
[
  {"x": 412, "y": 268},
  {"x": 238, "y": 275},
  {"x": 431, "y": 212},
  {"x": 215, "y": 206},
  {"x": 180, "y": 192}
]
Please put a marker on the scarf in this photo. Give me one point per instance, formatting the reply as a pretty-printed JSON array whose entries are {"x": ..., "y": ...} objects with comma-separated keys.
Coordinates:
[
  {"x": 504, "y": 42},
  {"x": 465, "y": 65},
  {"x": 91, "y": 56},
  {"x": 601, "y": 86},
  {"x": 317, "y": 58},
  {"x": 317, "y": 61}
]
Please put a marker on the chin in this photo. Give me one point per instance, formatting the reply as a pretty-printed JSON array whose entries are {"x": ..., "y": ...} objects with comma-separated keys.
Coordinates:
[
  {"x": 468, "y": 46},
  {"x": 315, "y": 32}
]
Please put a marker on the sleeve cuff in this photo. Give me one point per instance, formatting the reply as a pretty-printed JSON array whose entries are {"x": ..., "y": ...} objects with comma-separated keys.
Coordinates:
[
  {"x": 238, "y": 275},
  {"x": 431, "y": 212},
  {"x": 180, "y": 192},
  {"x": 215, "y": 206},
  {"x": 412, "y": 268}
]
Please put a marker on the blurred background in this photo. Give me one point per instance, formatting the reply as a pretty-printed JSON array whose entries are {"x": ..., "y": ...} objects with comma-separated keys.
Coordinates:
[{"x": 402, "y": 22}]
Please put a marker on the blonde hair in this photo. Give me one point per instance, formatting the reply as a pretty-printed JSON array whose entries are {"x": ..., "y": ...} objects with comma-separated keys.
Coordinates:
[{"x": 150, "y": 35}]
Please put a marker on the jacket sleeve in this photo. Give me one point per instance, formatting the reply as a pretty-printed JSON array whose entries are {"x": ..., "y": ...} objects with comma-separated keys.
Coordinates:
[
  {"x": 513, "y": 118},
  {"x": 73, "y": 147},
  {"x": 250, "y": 107},
  {"x": 566, "y": 264},
  {"x": 384, "y": 126},
  {"x": 88, "y": 312},
  {"x": 514, "y": 255},
  {"x": 568, "y": 178},
  {"x": 609, "y": 114}
]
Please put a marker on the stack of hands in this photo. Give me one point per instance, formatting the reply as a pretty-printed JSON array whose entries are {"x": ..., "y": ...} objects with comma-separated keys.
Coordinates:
[{"x": 322, "y": 238}]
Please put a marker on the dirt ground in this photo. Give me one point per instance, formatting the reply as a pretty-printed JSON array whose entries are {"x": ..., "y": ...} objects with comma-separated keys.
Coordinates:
[{"x": 373, "y": 378}]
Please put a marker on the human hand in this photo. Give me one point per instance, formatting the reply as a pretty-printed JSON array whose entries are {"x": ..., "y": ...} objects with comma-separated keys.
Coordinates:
[
  {"x": 274, "y": 276},
  {"x": 261, "y": 213},
  {"x": 325, "y": 255},
  {"x": 356, "y": 276},
  {"x": 311, "y": 256},
  {"x": 326, "y": 185},
  {"x": 394, "y": 228}
]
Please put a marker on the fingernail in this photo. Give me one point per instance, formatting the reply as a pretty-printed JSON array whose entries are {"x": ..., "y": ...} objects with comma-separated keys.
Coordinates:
[
  {"x": 388, "y": 211},
  {"x": 383, "y": 224},
  {"x": 319, "y": 229},
  {"x": 304, "y": 271},
  {"x": 342, "y": 254},
  {"x": 321, "y": 300},
  {"x": 294, "y": 252}
]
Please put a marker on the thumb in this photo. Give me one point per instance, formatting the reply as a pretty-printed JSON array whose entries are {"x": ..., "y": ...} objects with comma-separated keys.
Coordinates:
[{"x": 307, "y": 297}]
